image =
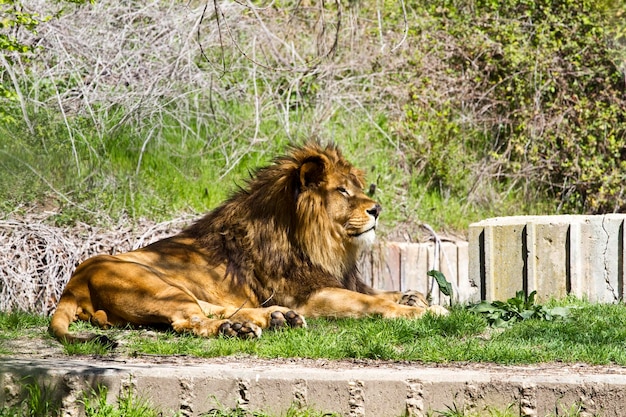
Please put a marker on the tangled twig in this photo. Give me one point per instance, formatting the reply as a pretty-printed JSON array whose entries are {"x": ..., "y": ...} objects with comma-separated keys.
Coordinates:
[{"x": 38, "y": 259}]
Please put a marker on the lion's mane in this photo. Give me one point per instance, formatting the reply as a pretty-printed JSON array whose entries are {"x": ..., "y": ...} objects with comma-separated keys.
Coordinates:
[{"x": 276, "y": 227}]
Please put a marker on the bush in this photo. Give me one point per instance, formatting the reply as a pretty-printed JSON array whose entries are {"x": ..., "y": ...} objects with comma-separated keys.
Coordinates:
[
  {"x": 521, "y": 95},
  {"x": 452, "y": 106}
]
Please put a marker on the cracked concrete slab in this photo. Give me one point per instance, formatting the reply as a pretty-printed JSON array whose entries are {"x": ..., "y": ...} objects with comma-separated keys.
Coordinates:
[{"x": 554, "y": 255}]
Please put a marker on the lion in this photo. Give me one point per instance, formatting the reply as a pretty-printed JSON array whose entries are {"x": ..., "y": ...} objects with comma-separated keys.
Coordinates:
[{"x": 280, "y": 249}]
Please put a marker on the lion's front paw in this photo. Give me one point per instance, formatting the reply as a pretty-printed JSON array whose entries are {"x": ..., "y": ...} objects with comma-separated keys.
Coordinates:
[
  {"x": 413, "y": 299},
  {"x": 438, "y": 310},
  {"x": 245, "y": 330},
  {"x": 279, "y": 319}
]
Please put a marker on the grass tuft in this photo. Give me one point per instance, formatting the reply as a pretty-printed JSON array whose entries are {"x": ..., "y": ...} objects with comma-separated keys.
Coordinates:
[
  {"x": 127, "y": 405},
  {"x": 14, "y": 321}
]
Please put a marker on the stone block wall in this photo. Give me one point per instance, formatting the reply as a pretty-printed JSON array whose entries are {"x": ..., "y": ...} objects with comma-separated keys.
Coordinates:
[{"x": 554, "y": 255}]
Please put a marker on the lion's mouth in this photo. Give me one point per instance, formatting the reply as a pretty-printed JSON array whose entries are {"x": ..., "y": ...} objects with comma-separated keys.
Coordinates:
[{"x": 363, "y": 232}]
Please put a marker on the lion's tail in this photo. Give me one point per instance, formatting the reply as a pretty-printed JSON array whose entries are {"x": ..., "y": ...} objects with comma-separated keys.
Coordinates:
[{"x": 65, "y": 315}]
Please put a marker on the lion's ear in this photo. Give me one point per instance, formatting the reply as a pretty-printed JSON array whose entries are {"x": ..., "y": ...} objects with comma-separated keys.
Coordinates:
[{"x": 313, "y": 171}]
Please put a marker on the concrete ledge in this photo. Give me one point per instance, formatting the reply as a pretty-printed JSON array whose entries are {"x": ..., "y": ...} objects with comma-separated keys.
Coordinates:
[
  {"x": 554, "y": 255},
  {"x": 195, "y": 386}
]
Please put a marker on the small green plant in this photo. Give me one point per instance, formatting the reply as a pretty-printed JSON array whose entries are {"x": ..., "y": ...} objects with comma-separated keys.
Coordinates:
[
  {"x": 518, "y": 308},
  {"x": 128, "y": 405},
  {"x": 37, "y": 402},
  {"x": 294, "y": 411},
  {"x": 17, "y": 320},
  {"x": 455, "y": 411},
  {"x": 444, "y": 285}
]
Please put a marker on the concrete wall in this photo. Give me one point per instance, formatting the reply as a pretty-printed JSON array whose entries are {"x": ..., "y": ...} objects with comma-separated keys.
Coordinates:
[
  {"x": 403, "y": 266},
  {"x": 554, "y": 255},
  {"x": 195, "y": 387}
]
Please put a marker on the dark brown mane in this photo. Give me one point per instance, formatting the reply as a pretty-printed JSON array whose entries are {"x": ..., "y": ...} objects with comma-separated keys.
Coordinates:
[{"x": 275, "y": 227}]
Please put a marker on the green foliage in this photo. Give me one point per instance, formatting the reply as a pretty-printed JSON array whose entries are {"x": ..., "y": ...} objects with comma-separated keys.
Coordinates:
[
  {"x": 518, "y": 308},
  {"x": 38, "y": 401},
  {"x": 128, "y": 405},
  {"x": 528, "y": 93},
  {"x": 512, "y": 107},
  {"x": 14, "y": 17},
  {"x": 444, "y": 285},
  {"x": 12, "y": 321},
  {"x": 456, "y": 411}
]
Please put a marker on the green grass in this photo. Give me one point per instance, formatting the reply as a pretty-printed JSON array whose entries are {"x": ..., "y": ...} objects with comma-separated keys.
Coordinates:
[
  {"x": 14, "y": 324},
  {"x": 292, "y": 412},
  {"x": 37, "y": 402},
  {"x": 593, "y": 334},
  {"x": 123, "y": 173},
  {"x": 189, "y": 166},
  {"x": 453, "y": 411},
  {"x": 127, "y": 405},
  {"x": 14, "y": 321}
]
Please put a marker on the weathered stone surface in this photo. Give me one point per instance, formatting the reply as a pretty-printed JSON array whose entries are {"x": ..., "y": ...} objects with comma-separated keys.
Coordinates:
[
  {"x": 554, "y": 255},
  {"x": 404, "y": 266},
  {"x": 192, "y": 388}
]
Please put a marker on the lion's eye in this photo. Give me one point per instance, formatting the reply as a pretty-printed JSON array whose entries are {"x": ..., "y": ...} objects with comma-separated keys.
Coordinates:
[{"x": 343, "y": 191}]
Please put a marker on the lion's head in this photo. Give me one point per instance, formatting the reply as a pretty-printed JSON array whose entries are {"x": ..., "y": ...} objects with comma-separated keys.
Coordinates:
[
  {"x": 336, "y": 219},
  {"x": 305, "y": 210}
]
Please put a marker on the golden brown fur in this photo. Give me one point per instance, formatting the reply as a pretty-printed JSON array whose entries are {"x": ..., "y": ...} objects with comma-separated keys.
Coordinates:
[{"x": 284, "y": 247}]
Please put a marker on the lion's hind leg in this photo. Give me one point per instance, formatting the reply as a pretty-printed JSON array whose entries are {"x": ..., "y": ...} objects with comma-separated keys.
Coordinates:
[
  {"x": 184, "y": 313},
  {"x": 132, "y": 293},
  {"x": 274, "y": 317},
  {"x": 201, "y": 325}
]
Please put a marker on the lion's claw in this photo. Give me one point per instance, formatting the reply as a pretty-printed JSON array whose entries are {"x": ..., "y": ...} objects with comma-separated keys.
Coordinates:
[
  {"x": 413, "y": 299},
  {"x": 291, "y": 318},
  {"x": 294, "y": 319},
  {"x": 245, "y": 330},
  {"x": 277, "y": 320}
]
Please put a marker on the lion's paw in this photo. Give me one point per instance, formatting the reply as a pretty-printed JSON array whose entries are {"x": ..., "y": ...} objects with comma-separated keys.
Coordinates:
[
  {"x": 413, "y": 299},
  {"x": 245, "y": 330},
  {"x": 438, "y": 310},
  {"x": 290, "y": 318}
]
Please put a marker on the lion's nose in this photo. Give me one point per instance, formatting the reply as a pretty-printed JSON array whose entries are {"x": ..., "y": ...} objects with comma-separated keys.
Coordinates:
[{"x": 375, "y": 211}]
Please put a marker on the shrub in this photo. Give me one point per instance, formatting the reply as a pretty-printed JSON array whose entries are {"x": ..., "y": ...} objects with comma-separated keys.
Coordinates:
[{"x": 527, "y": 95}]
